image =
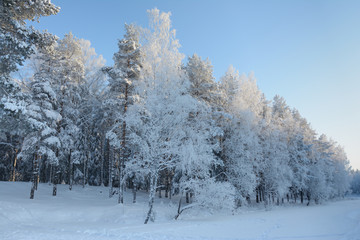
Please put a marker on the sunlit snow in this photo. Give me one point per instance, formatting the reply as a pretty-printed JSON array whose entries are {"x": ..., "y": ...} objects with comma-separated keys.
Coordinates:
[{"x": 88, "y": 213}]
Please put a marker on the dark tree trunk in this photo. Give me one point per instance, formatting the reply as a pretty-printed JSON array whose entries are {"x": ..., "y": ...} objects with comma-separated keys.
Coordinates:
[
  {"x": 111, "y": 167},
  {"x": 179, "y": 209},
  {"x": 123, "y": 150},
  {"x": 34, "y": 176},
  {"x": 84, "y": 171},
  {"x": 308, "y": 197},
  {"x": 70, "y": 172},
  {"x": 102, "y": 162},
  {"x": 87, "y": 168},
  {"x": 51, "y": 174},
  {"x": 134, "y": 192},
  {"x": 169, "y": 185},
  {"x": 55, "y": 183},
  {"x": 248, "y": 199},
  {"x": 121, "y": 184},
  {"x": 54, "y": 189},
  {"x": 37, "y": 174},
  {"x": 32, "y": 191}
]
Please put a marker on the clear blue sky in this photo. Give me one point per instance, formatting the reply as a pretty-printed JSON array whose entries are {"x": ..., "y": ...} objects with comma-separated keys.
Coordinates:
[{"x": 306, "y": 51}]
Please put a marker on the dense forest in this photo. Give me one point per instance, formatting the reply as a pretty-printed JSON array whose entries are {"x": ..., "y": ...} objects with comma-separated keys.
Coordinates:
[{"x": 154, "y": 121}]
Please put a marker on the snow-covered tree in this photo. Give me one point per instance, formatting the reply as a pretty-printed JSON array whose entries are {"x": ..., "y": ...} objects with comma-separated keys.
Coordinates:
[
  {"x": 162, "y": 107},
  {"x": 67, "y": 82},
  {"x": 43, "y": 116},
  {"x": 244, "y": 103},
  {"x": 355, "y": 182},
  {"x": 122, "y": 75},
  {"x": 152, "y": 122},
  {"x": 241, "y": 150},
  {"x": 163, "y": 119},
  {"x": 277, "y": 174},
  {"x": 331, "y": 170},
  {"x": 300, "y": 138},
  {"x": 200, "y": 73},
  {"x": 17, "y": 43},
  {"x": 341, "y": 174},
  {"x": 229, "y": 85}
]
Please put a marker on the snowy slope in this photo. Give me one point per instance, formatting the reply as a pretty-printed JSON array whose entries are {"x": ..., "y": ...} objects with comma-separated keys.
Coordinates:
[{"x": 89, "y": 214}]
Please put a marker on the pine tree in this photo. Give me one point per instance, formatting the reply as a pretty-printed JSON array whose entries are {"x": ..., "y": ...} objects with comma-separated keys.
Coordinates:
[
  {"x": 122, "y": 75},
  {"x": 17, "y": 43},
  {"x": 200, "y": 73},
  {"x": 42, "y": 114},
  {"x": 67, "y": 84}
]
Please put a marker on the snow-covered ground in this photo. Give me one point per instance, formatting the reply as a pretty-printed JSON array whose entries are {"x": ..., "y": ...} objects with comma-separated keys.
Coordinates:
[{"x": 88, "y": 213}]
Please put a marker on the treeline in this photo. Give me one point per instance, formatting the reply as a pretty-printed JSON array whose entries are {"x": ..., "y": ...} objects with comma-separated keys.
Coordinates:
[{"x": 151, "y": 122}]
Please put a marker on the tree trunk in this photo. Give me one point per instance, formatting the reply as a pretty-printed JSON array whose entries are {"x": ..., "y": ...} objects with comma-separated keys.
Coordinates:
[
  {"x": 51, "y": 174},
  {"x": 87, "y": 168},
  {"x": 266, "y": 199},
  {"x": 34, "y": 177},
  {"x": 13, "y": 177},
  {"x": 102, "y": 162},
  {"x": 179, "y": 209},
  {"x": 70, "y": 172},
  {"x": 55, "y": 183},
  {"x": 37, "y": 174},
  {"x": 170, "y": 192},
  {"x": 169, "y": 180},
  {"x": 308, "y": 197},
  {"x": 134, "y": 192},
  {"x": 123, "y": 151},
  {"x": 153, "y": 186},
  {"x": 167, "y": 183},
  {"x": 260, "y": 195},
  {"x": 32, "y": 191},
  {"x": 84, "y": 170},
  {"x": 167, "y": 191},
  {"x": 111, "y": 163},
  {"x": 121, "y": 186}
]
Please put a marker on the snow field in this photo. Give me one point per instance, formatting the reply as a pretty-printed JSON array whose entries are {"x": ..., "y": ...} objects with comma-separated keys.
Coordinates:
[{"x": 88, "y": 213}]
